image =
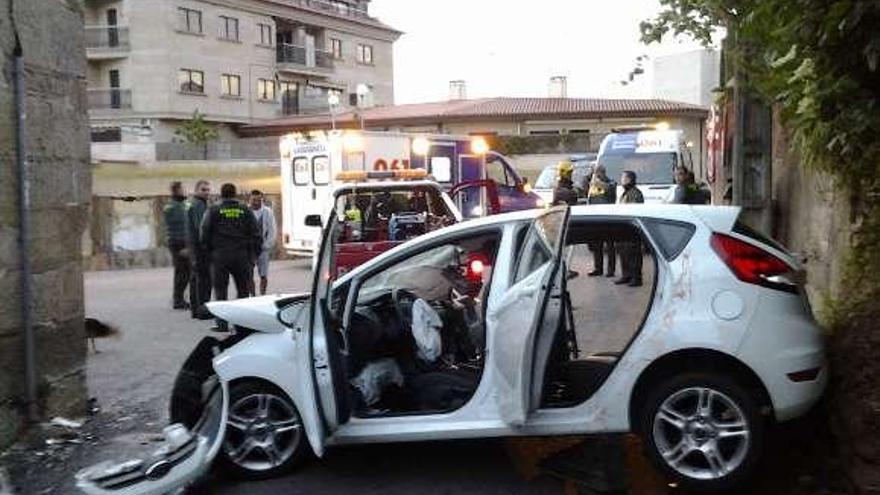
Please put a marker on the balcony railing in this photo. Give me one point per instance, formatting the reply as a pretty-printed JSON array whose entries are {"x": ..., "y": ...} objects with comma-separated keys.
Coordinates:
[
  {"x": 107, "y": 38},
  {"x": 337, "y": 8},
  {"x": 109, "y": 99},
  {"x": 291, "y": 54},
  {"x": 324, "y": 59},
  {"x": 301, "y": 56}
]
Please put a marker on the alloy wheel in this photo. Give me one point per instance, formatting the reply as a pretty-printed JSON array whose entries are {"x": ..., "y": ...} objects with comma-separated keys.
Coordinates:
[
  {"x": 263, "y": 432},
  {"x": 701, "y": 433}
]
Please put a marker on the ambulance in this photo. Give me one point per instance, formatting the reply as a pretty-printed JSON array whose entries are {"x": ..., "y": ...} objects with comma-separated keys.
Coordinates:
[
  {"x": 652, "y": 153},
  {"x": 314, "y": 165}
]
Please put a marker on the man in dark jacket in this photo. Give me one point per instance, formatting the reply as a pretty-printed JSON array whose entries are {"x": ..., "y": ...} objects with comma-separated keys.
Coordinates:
[
  {"x": 200, "y": 285},
  {"x": 564, "y": 192},
  {"x": 231, "y": 235},
  {"x": 630, "y": 252},
  {"x": 175, "y": 228}
]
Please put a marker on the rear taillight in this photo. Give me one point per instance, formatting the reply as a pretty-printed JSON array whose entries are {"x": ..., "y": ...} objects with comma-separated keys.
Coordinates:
[{"x": 752, "y": 264}]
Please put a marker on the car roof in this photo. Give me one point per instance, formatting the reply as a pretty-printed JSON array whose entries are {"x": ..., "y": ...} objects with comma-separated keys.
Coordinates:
[
  {"x": 712, "y": 217},
  {"x": 388, "y": 184}
]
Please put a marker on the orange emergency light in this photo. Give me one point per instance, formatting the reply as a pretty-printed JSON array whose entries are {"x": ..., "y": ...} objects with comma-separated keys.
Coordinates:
[{"x": 360, "y": 175}]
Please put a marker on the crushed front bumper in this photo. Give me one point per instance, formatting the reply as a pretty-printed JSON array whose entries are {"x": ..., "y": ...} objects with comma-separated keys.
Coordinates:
[{"x": 179, "y": 461}]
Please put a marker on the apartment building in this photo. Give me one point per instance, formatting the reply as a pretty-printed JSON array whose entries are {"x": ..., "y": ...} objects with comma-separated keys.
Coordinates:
[{"x": 152, "y": 63}]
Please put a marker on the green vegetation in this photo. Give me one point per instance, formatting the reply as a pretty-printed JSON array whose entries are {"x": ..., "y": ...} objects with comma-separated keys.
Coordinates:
[
  {"x": 197, "y": 131},
  {"x": 818, "y": 62}
]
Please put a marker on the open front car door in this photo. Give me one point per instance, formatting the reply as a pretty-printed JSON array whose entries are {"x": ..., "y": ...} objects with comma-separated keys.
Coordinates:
[{"x": 519, "y": 315}]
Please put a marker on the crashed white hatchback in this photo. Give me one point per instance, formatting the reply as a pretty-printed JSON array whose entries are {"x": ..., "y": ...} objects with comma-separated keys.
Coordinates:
[{"x": 489, "y": 328}]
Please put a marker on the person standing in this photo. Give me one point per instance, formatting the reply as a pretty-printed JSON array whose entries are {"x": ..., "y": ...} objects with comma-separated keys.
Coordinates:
[
  {"x": 175, "y": 229},
  {"x": 564, "y": 192},
  {"x": 231, "y": 237},
  {"x": 200, "y": 284},
  {"x": 602, "y": 190},
  {"x": 266, "y": 221},
  {"x": 686, "y": 190},
  {"x": 631, "y": 251}
]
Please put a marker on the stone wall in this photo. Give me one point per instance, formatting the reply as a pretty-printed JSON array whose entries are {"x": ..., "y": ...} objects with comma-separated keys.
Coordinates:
[
  {"x": 57, "y": 145},
  {"x": 810, "y": 218}
]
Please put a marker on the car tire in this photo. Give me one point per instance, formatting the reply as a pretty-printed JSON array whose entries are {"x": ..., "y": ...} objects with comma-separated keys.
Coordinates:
[
  {"x": 258, "y": 411},
  {"x": 703, "y": 430}
]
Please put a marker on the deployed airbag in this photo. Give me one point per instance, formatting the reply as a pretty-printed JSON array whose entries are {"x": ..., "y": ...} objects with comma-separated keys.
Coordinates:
[
  {"x": 375, "y": 376},
  {"x": 426, "y": 325}
]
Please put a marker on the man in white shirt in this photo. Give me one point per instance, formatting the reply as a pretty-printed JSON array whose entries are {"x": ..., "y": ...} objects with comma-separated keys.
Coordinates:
[{"x": 266, "y": 221}]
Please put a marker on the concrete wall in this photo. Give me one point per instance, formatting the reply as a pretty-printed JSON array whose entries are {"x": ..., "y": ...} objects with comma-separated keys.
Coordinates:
[
  {"x": 809, "y": 218},
  {"x": 689, "y": 77},
  {"x": 131, "y": 234},
  {"x": 58, "y": 153}
]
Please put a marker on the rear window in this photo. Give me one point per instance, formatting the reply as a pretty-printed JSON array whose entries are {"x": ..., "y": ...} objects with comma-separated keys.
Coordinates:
[
  {"x": 670, "y": 235},
  {"x": 744, "y": 230}
]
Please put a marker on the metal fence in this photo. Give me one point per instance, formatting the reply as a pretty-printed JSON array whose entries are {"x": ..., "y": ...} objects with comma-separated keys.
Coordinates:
[
  {"x": 287, "y": 53},
  {"x": 106, "y": 99},
  {"x": 107, "y": 38},
  {"x": 337, "y": 8}
]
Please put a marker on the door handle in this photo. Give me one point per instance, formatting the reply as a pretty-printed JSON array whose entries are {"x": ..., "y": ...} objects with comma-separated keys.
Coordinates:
[{"x": 314, "y": 194}]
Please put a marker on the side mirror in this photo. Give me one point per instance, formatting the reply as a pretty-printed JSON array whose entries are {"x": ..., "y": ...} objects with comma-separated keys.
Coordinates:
[
  {"x": 314, "y": 221},
  {"x": 293, "y": 313}
]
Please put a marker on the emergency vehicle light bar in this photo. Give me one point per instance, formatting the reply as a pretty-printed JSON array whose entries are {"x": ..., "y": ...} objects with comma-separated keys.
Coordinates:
[{"x": 360, "y": 175}]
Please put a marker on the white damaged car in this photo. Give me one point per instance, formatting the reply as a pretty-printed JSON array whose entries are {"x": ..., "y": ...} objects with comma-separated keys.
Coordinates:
[{"x": 487, "y": 329}]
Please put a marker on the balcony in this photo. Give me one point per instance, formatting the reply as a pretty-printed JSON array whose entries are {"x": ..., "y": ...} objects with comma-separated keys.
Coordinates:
[
  {"x": 336, "y": 8},
  {"x": 107, "y": 42},
  {"x": 109, "y": 99},
  {"x": 300, "y": 60}
]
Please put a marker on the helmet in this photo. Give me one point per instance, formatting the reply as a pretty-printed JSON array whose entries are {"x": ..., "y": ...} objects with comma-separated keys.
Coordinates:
[{"x": 564, "y": 169}]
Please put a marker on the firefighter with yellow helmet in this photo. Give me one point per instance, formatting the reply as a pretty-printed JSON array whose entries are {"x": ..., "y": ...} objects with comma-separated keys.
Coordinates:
[{"x": 564, "y": 192}]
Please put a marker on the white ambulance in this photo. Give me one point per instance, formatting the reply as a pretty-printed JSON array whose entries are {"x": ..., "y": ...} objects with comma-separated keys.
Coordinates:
[
  {"x": 653, "y": 154},
  {"x": 314, "y": 165}
]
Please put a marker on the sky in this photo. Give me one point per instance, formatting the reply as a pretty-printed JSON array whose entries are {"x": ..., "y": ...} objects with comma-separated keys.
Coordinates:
[{"x": 512, "y": 48}]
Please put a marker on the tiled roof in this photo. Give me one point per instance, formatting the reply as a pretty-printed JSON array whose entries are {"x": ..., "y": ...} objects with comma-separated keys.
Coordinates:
[{"x": 487, "y": 109}]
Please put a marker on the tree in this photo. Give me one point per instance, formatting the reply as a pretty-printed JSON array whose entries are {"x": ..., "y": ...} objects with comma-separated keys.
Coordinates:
[
  {"x": 817, "y": 59},
  {"x": 197, "y": 131}
]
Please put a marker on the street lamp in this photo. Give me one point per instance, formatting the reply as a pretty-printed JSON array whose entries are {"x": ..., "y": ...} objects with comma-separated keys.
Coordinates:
[
  {"x": 333, "y": 102},
  {"x": 362, "y": 91}
]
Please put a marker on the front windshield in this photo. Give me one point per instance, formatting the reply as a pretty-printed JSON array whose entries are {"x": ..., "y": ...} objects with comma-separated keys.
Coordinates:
[
  {"x": 547, "y": 179},
  {"x": 650, "y": 168}
]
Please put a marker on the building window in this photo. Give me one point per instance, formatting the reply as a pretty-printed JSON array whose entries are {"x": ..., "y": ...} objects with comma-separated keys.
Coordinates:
[
  {"x": 230, "y": 85},
  {"x": 266, "y": 89},
  {"x": 189, "y": 20},
  {"x": 106, "y": 134},
  {"x": 191, "y": 81},
  {"x": 229, "y": 28},
  {"x": 365, "y": 54},
  {"x": 265, "y": 34},
  {"x": 289, "y": 97},
  {"x": 336, "y": 48}
]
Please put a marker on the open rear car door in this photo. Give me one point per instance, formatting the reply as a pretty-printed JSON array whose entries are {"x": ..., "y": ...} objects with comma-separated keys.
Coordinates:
[{"x": 519, "y": 316}]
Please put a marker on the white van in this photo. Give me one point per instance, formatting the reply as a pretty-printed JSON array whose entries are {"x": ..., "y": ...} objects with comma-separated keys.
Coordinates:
[{"x": 652, "y": 154}]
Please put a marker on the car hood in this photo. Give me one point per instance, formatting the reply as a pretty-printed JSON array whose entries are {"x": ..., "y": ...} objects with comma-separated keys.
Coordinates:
[{"x": 254, "y": 313}]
